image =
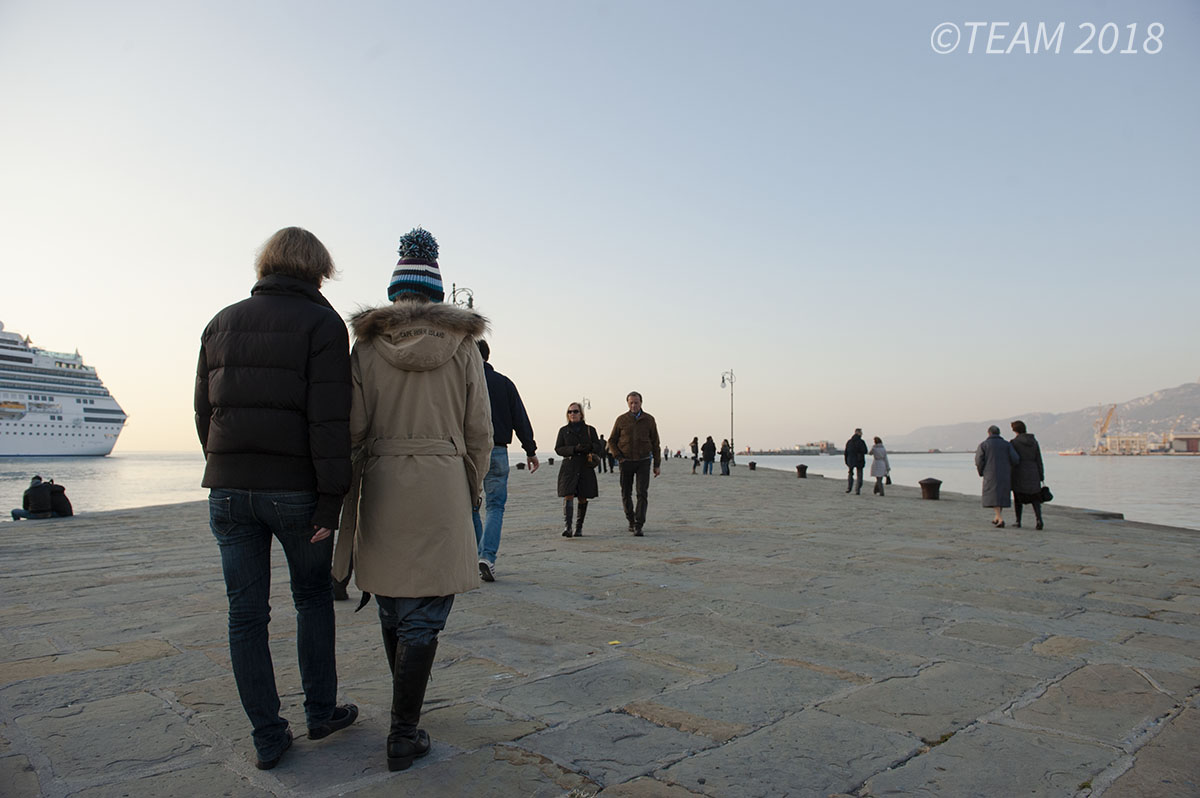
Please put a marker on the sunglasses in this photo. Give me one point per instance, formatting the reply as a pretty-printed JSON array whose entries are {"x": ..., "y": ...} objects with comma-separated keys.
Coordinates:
[{"x": 575, "y": 410}]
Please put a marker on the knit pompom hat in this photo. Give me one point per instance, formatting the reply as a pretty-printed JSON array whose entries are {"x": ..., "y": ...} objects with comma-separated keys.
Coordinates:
[{"x": 417, "y": 270}]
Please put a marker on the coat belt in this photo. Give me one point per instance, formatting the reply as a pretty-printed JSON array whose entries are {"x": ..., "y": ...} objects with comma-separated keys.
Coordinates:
[{"x": 386, "y": 447}]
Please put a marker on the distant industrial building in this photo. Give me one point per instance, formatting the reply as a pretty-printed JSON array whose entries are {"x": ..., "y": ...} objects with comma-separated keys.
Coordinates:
[{"x": 1186, "y": 443}]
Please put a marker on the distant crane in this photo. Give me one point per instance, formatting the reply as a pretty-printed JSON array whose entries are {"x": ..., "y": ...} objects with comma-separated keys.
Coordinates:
[{"x": 1100, "y": 441}]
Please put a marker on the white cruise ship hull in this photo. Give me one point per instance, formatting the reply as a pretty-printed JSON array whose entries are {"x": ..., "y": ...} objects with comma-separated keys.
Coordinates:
[{"x": 52, "y": 404}]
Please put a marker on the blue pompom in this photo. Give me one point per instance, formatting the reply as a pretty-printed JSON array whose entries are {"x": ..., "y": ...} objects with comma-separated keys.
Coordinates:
[{"x": 418, "y": 243}]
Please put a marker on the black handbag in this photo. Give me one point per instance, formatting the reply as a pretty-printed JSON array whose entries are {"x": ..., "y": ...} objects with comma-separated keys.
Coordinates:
[{"x": 1045, "y": 495}]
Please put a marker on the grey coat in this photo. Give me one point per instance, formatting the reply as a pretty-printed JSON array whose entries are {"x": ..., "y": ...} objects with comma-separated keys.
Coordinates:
[
  {"x": 994, "y": 460},
  {"x": 1028, "y": 475}
]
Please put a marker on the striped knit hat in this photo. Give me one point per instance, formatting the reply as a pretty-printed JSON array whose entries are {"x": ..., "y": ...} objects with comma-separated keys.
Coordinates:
[{"x": 417, "y": 269}]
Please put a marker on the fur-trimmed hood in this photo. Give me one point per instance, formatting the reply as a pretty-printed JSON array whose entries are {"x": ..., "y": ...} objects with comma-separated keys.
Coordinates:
[{"x": 417, "y": 336}]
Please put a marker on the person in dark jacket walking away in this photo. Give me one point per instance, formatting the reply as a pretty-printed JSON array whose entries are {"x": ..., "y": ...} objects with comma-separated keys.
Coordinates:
[
  {"x": 708, "y": 451},
  {"x": 508, "y": 416},
  {"x": 994, "y": 460},
  {"x": 602, "y": 453},
  {"x": 856, "y": 460},
  {"x": 726, "y": 456},
  {"x": 578, "y": 446},
  {"x": 634, "y": 442},
  {"x": 272, "y": 408},
  {"x": 1028, "y": 475},
  {"x": 35, "y": 502},
  {"x": 695, "y": 447}
]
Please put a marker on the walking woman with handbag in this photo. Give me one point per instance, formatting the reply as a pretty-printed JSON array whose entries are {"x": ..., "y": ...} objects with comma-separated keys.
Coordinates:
[
  {"x": 579, "y": 447},
  {"x": 1028, "y": 475}
]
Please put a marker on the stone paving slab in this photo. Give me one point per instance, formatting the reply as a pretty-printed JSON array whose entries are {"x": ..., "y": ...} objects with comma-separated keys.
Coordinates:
[
  {"x": 769, "y": 636},
  {"x": 811, "y": 753},
  {"x": 989, "y": 761}
]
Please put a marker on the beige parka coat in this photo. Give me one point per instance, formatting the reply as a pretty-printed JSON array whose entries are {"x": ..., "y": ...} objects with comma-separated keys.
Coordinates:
[{"x": 421, "y": 429}]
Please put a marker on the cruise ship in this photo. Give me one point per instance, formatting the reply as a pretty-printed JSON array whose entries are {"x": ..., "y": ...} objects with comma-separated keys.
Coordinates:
[{"x": 51, "y": 404}]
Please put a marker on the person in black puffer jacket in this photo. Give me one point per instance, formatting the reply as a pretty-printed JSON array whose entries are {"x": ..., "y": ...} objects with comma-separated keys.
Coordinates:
[{"x": 273, "y": 415}]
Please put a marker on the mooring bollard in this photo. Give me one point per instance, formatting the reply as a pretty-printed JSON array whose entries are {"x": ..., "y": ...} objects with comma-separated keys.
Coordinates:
[
  {"x": 521, "y": 466},
  {"x": 752, "y": 465},
  {"x": 550, "y": 460},
  {"x": 930, "y": 487},
  {"x": 801, "y": 472}
]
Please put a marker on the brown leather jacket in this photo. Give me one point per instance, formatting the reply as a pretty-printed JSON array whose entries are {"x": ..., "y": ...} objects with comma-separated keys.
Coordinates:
[{"x": 635, "y": 438}]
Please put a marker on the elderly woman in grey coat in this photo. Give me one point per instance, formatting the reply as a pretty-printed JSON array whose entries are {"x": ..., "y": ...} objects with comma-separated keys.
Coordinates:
[
  {"x": 994, "y": 460},
  {"x": 1029, "y": 474}
]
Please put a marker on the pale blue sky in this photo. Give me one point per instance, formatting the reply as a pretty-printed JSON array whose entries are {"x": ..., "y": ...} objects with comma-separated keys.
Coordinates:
[{"x": 641, "y": 195}]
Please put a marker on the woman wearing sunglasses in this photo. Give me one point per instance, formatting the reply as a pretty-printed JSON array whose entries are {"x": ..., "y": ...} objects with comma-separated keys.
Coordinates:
[{"x": 579, "y": 446}]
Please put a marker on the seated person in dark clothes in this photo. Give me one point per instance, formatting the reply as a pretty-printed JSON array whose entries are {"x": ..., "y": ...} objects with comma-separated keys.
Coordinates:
[
  {"x": 60, "y": 505},
  {"x": 36, "y": 501}
]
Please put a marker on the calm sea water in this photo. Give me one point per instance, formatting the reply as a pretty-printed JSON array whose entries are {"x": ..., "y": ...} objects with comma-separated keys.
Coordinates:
[
  {"x": 1156, "y": 490},
  {"x": 1159, "y": 490}
]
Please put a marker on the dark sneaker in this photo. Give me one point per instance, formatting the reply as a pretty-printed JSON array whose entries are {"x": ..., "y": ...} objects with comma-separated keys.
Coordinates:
[
  {"x": 637, "y": 532},
  {"x": 487, "y": 571},
  {"x": 342, "y": 717},
  {"x": 267, "y": 764}
]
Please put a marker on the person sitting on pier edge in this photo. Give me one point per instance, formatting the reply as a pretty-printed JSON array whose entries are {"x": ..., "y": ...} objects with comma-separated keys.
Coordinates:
[
  {"x": 35, "y": 503},
  {"x": 60, "y": 505}
]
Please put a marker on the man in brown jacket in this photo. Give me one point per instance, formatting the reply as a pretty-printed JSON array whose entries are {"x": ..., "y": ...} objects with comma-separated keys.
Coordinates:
[{"x": 634, "y": 442}]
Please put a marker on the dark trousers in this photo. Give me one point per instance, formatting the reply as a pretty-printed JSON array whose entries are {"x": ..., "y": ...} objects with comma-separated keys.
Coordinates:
[
  {"x": 639, "y": 470},
  {"x": 850, "y": 479},
  {"x": 245, "y": 523}
]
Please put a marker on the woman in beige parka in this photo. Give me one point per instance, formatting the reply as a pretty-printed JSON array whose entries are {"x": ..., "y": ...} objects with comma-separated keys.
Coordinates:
[{"x": 420, "y": 425}]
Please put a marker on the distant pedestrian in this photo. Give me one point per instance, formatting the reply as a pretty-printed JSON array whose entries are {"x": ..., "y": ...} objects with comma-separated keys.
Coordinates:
[
  {"x": 880, "y": 467},
  {"x": 634, "y": 442},
  {"x": 422, "y": 431},
  {"x": 35, "y": 502},
  {"x": 708, "y": 452},
  {"x": 666, "y": 453},
  {"x": 272, "y": 407},
  {"x": 695, "y": 447},
  {"x": 994, "y": 460},
  {"x": 577, "y": 444},
  {"x": 603, "y": 454},
  {"x": 726, "y": 456},
  {"x": 1029, "y": 474},
  {"x": 508, "y": 417},
  {"x": 856, "y": 460}
]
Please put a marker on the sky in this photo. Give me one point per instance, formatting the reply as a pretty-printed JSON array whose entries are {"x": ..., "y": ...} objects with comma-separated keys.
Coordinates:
[{"x": 640, "y": 195}]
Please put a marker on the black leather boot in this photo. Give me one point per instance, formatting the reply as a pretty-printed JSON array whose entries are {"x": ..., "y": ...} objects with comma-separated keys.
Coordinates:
[
  {"x": 568, "y": 514},
  {"x": 390, "y": 641},
  {"x": 410, "y": 675},
  {"x": 579, "y": 519}
]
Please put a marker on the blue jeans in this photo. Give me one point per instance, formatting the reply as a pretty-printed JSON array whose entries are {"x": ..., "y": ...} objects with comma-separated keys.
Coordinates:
[
  {"x": 244, "y": 522},
  {"x": 724, "y": 468},
  {"x": 414, "y": 621},
  {"x": 707, "y": 467},
  {"x": 495, "y": 492}
]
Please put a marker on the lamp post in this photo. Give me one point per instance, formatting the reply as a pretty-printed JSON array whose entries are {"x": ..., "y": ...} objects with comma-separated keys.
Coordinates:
[
  {"x": 586, "y": 403},
  {"x": 727, "y": 377},
  {"x": 469, "y": 302}
]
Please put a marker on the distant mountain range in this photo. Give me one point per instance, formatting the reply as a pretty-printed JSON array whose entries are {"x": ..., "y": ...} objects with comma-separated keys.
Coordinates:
[{"x": 1156, "y": 414}]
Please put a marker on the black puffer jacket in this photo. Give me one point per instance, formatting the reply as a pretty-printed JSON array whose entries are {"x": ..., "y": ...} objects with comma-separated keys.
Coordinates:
[{"x": 273, "y": 395}]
